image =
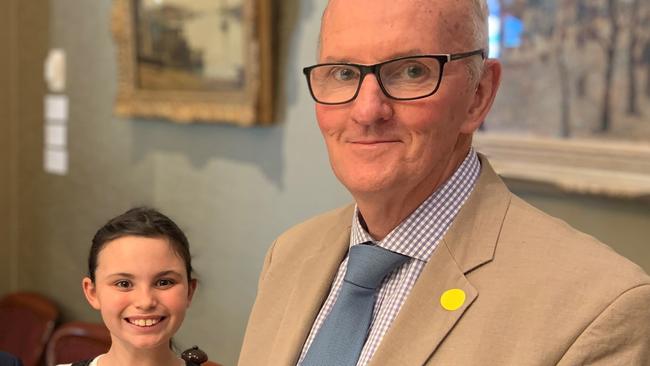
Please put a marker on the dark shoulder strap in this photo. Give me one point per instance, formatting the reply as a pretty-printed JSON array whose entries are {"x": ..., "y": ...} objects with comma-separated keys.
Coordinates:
[{"x": 82, "y": 363}]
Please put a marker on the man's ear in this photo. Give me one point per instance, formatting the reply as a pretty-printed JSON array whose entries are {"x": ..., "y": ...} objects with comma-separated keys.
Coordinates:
[
  {"x": 192, "y": 288},
  {"x": 90, "y": 292},
  {"x": 486, "y": 91}
]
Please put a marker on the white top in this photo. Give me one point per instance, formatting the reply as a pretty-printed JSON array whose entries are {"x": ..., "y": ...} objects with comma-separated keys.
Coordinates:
[
  {"x": 96, "y": 359},
  {"x": 93, "y": 363}
]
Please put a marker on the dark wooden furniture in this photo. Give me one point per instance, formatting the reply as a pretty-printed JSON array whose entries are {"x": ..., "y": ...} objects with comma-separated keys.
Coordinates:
[
  {"x": 27, "y": 320},
  {"x": 77, "y": 341}
]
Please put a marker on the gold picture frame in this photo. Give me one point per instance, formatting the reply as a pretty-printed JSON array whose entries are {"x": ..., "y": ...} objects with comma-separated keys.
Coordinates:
[{"x": 162, "y": 73}]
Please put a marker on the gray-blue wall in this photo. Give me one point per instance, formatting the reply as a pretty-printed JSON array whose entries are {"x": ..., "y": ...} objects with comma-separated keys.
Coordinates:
[{"x": 232, "y": 189}]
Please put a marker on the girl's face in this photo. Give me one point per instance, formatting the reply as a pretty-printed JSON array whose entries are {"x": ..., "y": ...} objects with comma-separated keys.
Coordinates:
[{"x": 142, "y": 291}]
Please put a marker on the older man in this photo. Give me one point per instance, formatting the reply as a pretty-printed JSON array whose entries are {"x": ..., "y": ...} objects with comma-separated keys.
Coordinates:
[{"x": 437, "y": 263}]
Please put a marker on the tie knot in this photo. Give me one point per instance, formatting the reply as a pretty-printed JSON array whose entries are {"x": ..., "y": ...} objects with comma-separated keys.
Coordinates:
[{"x": 369, "y": 264}]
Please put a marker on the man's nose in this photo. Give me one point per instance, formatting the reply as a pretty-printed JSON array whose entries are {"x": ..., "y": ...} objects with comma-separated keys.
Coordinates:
[
  {"x": 371, "y": 104},
  {"x": 145, "y": 298}
]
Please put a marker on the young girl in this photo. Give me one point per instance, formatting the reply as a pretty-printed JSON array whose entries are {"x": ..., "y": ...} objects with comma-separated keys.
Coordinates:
[{"x": 140, "y": 279}]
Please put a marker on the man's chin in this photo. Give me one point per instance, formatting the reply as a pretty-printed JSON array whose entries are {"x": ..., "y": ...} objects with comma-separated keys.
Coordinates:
[{"x": 368, "y": 184}]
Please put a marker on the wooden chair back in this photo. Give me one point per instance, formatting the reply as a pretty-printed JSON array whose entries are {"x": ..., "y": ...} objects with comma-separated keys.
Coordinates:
[
  {"x": 27, "y": 320},
  {"x": 77, "y": 341}
]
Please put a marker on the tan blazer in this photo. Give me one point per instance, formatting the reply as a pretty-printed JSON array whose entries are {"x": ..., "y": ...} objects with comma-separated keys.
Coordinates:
[{"x": 538, "y": 292}]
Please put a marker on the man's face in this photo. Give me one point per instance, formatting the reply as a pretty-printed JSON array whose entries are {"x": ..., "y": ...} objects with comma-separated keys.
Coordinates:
[{"x": 377, "y": 144}]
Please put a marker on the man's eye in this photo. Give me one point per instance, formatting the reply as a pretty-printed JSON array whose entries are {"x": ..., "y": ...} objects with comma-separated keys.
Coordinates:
[
  {"x": 413, "y": 71},
  {"x": 123, "y": 284},
  {"x": 344, "y": 74}
]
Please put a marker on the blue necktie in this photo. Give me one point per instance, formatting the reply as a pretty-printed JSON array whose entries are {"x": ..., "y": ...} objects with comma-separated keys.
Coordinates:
[{"x": 340, "y": 339}]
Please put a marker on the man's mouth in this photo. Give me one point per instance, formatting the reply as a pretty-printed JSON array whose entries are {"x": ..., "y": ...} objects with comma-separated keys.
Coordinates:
[
  {"x": 144, "y": 323},
  {"x": 373, "y": 141}
]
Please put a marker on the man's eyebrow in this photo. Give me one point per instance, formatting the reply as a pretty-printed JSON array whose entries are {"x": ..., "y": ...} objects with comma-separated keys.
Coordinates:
[
  {"x": 412, "y": 52},
  {"x": 391, "y": 56},
  {"x": 336, "y": 60}
]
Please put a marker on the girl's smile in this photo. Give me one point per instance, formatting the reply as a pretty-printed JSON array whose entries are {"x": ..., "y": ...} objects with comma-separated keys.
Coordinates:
[{"x": 145, "y": 322}]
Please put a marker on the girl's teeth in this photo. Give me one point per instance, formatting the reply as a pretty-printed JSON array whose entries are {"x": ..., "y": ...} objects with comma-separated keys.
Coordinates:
[{"x": 145, "y": 322}]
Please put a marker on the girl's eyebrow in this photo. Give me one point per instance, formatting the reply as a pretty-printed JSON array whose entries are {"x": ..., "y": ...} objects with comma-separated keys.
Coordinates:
[{"x": 167, "y": 273}]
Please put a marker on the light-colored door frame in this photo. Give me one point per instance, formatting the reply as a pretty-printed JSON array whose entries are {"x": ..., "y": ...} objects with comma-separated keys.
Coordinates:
[{"x": 24, "y": 37}]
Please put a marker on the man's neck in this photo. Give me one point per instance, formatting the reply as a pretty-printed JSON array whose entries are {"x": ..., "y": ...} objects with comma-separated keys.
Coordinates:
[{"x": 384, "y": 211}]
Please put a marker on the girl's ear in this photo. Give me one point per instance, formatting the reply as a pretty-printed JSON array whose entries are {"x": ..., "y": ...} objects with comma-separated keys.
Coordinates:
[
  {"x": 190, "y": 293},
  {"x": 90, "y": 292}
]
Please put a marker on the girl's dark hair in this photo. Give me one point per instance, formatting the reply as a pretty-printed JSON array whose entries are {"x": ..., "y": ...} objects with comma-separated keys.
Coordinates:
[{"x": 144, "y": 222}]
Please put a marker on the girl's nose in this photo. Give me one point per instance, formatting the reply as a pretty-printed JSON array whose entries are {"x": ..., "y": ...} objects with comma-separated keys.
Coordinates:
[{"x": 145, "y": 299}]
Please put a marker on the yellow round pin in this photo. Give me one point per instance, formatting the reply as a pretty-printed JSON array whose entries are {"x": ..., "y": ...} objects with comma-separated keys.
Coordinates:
[{"x": 452, "y": 299}]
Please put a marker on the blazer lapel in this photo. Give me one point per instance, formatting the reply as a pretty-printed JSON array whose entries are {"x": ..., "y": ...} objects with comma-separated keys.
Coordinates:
[
  {"x": 312, "y": 287},
  {"x": 422, "y": 323},
  {"x": 472, "y": 239}
]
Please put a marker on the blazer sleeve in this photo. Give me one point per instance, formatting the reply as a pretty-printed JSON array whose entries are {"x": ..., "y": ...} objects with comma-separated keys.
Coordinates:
[
  {"x": 266, "y": 265},
  {"x": 620, "y": 335}
]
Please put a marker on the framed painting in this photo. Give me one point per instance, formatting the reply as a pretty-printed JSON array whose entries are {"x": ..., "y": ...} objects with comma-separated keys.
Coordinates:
[
  {"x": 573, "y": 108},
  {"x": 194, "y": 60}
]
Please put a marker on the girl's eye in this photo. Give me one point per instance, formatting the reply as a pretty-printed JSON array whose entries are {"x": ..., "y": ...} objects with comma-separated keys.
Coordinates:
[
  {"x": 165, "y": 282},
  {"x": 123, "y": 284}
]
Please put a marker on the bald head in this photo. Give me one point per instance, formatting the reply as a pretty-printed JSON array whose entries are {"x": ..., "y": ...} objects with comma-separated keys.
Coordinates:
[
  {"x": 457, "y": 25},
  {"x": 462, "y": 22}
]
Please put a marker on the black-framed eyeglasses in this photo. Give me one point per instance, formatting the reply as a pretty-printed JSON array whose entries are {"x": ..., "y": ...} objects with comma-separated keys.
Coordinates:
[{"x": 404, "y": 78}]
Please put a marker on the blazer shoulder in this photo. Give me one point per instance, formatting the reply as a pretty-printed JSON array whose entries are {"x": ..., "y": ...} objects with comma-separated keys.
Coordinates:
[
  {"x": 554, "y": 242},
  {"x": 322, "y": 229},
  {"x": 339, "y": 218}
]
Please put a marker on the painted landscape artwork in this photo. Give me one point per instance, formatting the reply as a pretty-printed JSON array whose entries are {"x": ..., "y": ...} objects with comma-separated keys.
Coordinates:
[
  {"x": 573, "y": 69},
  {"x": 190, "y": 44},
  {"x": 194, "y": 61}
]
